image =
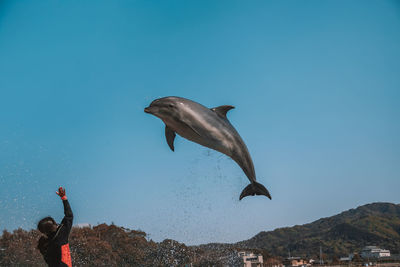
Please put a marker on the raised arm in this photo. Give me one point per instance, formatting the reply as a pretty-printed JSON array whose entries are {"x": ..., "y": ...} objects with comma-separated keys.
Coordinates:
[{"x": 68, "y": 215}]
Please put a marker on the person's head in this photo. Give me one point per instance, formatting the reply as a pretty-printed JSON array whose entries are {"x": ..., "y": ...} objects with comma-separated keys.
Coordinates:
[{"x": 47, "y": 225}]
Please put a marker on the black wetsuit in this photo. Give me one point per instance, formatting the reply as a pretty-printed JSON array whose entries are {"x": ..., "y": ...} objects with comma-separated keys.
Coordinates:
[{"x": 57, "y": 253}]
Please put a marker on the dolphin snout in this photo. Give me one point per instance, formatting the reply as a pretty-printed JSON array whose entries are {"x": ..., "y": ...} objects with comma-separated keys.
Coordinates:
[{"x": 147, "y": 110}]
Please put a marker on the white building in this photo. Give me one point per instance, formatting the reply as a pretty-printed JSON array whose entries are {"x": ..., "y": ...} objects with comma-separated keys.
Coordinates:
[
  {"x": 296, "y": 262},
  {"x": 374, "y": 252},
  {"x": 345, "y": 259},
  {"x": 250, "y": 259}
]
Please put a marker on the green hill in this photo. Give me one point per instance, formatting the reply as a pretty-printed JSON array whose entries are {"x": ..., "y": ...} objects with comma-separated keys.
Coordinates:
[{"x": 373, "y": 224}]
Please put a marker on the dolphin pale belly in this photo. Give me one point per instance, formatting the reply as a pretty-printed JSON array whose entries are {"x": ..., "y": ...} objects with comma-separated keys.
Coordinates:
[{"x": 207, "y": 127}]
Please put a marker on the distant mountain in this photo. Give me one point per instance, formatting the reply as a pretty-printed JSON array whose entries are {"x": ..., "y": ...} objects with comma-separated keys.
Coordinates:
[{"x": 373, "y": 224}]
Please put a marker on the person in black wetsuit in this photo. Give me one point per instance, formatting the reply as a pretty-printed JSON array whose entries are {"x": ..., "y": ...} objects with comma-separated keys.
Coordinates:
[{"x": 54, "y": 245}]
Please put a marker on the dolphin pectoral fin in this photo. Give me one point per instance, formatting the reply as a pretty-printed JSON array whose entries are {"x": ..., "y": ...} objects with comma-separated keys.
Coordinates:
[
  {"x": 254, "y": 189},
  {"x": 222, "y": 110},
  {"x": 170, "y": 135}
]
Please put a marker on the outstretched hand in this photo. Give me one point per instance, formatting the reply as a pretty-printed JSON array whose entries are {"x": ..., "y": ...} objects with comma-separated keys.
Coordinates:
[{"x": 61, "y": 193}]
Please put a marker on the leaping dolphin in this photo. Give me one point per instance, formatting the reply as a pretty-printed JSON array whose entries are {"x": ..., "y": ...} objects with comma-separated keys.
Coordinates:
[{"x": 207, "y": 127}]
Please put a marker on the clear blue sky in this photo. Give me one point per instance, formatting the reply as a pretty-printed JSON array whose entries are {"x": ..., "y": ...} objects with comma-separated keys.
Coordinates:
[{"x": 316, "y": 85}]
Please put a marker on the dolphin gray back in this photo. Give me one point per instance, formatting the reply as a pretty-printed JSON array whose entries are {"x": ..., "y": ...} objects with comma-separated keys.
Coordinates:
[{"x": 217, "y": 132}]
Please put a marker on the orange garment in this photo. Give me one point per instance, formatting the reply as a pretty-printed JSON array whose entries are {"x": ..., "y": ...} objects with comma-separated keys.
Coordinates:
[{"x": 66, "y": 255}]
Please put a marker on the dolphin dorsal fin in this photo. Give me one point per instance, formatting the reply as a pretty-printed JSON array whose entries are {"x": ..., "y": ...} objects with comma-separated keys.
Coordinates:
[{"x": 222, "y": 110}]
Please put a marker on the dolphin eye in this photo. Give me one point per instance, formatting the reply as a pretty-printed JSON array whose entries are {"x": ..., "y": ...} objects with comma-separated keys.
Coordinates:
[{"x": 170, "y": 105}]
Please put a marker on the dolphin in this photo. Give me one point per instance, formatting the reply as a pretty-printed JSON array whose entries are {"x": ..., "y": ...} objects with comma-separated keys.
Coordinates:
[{"x": 207, "y": 127}]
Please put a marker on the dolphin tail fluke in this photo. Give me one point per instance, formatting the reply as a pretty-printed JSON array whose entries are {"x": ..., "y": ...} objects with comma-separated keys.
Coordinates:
[{"x": 254, "y": 189}]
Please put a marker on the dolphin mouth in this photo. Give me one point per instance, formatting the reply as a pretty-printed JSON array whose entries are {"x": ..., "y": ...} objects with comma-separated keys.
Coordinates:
[{"x": 147, "y": 110}]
